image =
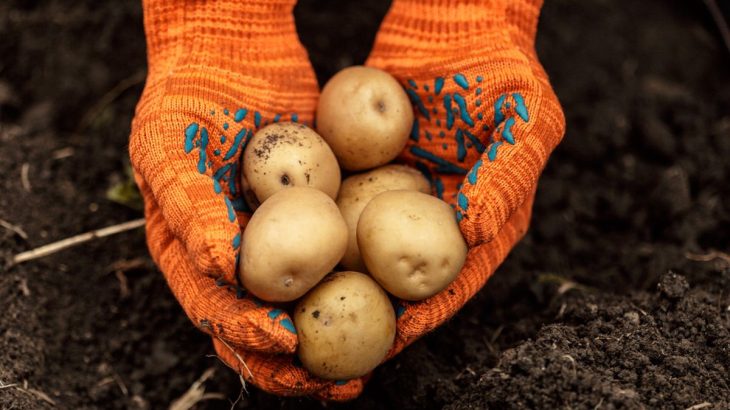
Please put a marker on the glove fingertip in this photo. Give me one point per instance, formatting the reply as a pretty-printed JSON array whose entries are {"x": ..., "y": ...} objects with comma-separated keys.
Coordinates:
[
  {"x": 417, "y": 318},
  {"x": 529, "y": 125},
  {"x": 341, "y": 391},
  {"x": 278, "y": 334},
  {"x": 191, "y": 197}
]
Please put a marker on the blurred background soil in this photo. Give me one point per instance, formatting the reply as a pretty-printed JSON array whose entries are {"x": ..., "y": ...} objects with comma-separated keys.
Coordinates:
[{"x": 618, "y": 298}]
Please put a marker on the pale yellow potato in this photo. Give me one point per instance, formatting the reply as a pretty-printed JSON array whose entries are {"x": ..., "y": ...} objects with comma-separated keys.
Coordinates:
[
  {"x": 291, "y": 242},
  {"x": 356, "y": 191},
  {"x": 365, "y": 116},
  {"x": 284, "y": 155},
  {"x": 345, "y": 325},
  {"x": 411, "y": 243}
]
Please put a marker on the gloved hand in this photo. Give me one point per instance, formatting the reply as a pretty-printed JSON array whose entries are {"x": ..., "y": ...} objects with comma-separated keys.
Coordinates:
[
  {"x": 217, "y": 72},
  {"x": 486, "y": 120}
]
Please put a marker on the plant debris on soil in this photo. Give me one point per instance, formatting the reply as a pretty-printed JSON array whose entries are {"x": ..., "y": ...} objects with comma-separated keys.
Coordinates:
[{"x": 617, "y": 298}]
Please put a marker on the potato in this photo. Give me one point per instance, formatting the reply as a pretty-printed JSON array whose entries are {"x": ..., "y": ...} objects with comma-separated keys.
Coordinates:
[
  {"x": 287, "y": 154},
  {"x": 345, "y": 325},
  {"x": 291, "y": 242},
  {"x": 357, "y": 190},
  {"x": 411, "y": 243},
  {"x": 365, "y": 116}
]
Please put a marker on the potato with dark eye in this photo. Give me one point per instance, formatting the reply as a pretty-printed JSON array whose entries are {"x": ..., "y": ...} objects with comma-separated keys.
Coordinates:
[
  {"x": 365, "y": 116},
  {"x": 285, "y": 155},
  {"x": 292, "y": 241},
  {"x": 411, "y": 243},
  {"x": 345, "y": 325}
]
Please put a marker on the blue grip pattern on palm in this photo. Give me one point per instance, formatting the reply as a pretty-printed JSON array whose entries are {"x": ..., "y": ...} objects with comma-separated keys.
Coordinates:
[
  {"x": 222, "y": 164},
  {"x": 464, "y": 124}
]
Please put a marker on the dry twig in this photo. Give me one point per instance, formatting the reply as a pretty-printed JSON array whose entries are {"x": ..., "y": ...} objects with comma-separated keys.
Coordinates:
[
  {"x": 54, "y": 247},
  {"x": 709, "y": 256},
  {"x": 240, "y": 359},
  {"x": 62, "y": 153},
  {"x": 6, "y": 386},
  {"x": 196, "y": 393},
  {"x": 564, "y": 284},
  {"x": 24, "y": 179},
  {"x": 14, "y": 228},
  {"x": 719, "y": 21},
  {"x": 23, "y": 285},
  {"x": 27, "y": 390},
  {"x": 125, "y": 265},
  {"x": 572, "y": 362},
  {"x": 240, "y": 393},
  {"x": 124, "y": 291},
  {"x": 240, "y": 375},
  {"x": 39, "y": 394}
]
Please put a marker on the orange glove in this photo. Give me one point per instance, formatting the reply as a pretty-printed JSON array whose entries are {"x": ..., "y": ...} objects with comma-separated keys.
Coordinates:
[
  {"x": 218, "y": 71},
  {"x": 486, "y": 121}
]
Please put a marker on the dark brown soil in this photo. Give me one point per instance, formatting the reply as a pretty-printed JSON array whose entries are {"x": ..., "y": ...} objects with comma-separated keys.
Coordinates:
[{"x": 584, "y": 313}]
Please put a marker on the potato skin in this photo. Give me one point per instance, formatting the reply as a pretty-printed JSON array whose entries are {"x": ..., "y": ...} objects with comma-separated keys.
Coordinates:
[
  {"x": 355, "y": 193},
  {"x": 284, "y": 155},
  {"x": 411, "y": 243},
  {"x": 345, "y": 325},
  {"x": 365, "y": 116},
  {"x": 291, "y": 242}
]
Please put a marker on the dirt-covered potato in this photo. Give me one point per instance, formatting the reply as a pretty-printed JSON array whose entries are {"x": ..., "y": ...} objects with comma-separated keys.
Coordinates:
[
  {"x": 291, "y": 242},
  {"x": 284, "y": 155},
  {"x": 365, "y": 116},
  {"x": 357, "y": 190},
  {"x": 411, "y": 243},
  {"x": 345, "y": 325}
]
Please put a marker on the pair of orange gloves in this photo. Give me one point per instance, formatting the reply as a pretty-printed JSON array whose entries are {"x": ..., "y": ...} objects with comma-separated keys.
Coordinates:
[{"x": 486, "y": 121}]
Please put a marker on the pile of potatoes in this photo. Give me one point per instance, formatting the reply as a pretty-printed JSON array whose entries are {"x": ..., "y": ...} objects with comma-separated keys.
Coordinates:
[{"x": 381, "y": 227}]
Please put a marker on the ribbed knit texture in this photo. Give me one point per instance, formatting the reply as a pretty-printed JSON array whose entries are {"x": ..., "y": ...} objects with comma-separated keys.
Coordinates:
[{"x": 486, "y": 122}]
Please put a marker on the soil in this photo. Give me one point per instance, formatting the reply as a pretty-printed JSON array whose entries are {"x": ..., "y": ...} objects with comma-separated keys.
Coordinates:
[{"x": 618, "y": 298}]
